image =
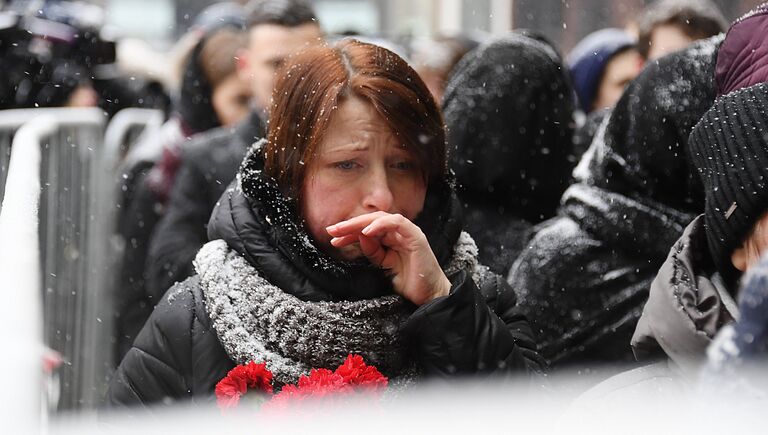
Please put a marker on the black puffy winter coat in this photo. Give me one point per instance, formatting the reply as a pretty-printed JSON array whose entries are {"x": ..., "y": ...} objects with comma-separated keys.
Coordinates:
[
  {"x": 584, "y": 278},
  {"x": 209, "y": 164},
  {"x": 179, "y": 355},
  {"x": 508, "y": 108}
]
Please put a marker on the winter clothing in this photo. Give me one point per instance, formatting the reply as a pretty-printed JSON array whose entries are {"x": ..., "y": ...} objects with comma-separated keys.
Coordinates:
[
  {"x": 585, "y": 133},
  {"x": 218, "y": 14},
  {"x": 131, "y": 305},
  {"x": 146, "y": 185},
  {"x": 730, "y": 136},
  {"x": 508, "y": 109},
  {"x": 736, "y": 357},
  {"x": 195, "y": 105},
  {"x": 587, "y": 61},
  {"x": 584, "y": 278},
  {"x": 141, "y": 208},
  {"x": 265, "y": 292},
  {"x": 742, "y": 61},
  {"x": 730, "y": 148},
  {"x": 209, "y": 164},
  {"x": 687, "y": 304}
]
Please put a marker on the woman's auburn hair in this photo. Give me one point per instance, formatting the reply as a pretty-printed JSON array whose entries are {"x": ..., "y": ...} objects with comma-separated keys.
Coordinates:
[{"x": 311, "y": 86}]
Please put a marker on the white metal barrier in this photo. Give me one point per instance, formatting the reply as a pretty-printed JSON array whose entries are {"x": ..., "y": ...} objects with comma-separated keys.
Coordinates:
[
  {"x": 125, "y": 121},
  {"x": 57, "y": 217}
]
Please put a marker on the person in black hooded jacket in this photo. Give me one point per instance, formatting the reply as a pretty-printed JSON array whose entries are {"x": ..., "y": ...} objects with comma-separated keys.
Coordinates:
[
  {"x": 340, "y": 235},
  {"x": 509, "y": 112},
  {"x": 584, "y": 278}
]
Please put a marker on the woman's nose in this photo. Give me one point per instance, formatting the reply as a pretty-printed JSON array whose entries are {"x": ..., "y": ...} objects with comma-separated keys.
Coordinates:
[{"x": 378, "y": 195}]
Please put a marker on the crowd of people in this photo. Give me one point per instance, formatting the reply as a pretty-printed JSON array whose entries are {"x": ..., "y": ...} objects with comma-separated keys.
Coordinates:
[{"x": 458, "y": 208}]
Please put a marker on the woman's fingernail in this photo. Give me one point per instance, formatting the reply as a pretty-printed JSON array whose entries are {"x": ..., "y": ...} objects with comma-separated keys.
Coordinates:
[
  {"x": 366, "y": 230},
  {"x": 330, "y": 228}
]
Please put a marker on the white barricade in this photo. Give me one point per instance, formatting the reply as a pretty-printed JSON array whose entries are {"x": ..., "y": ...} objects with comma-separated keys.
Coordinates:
[{"x": 57, "y": 183}]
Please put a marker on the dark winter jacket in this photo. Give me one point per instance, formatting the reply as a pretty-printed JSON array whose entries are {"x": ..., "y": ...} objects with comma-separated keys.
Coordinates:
[
  {"x": 178, "y": 355},
  {"x": 132, "y": 307},
  {"x": 508, "y": 108},
  {"x": 585, "y": 276},
  {"x": 209, "y": 164},
  {"x": 687, "y": 304},
  {"x": 585, "y": 134},
  {"x": 143, "y": 188}
]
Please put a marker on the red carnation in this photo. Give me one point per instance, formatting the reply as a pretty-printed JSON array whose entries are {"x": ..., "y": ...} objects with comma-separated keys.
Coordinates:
[
  {"x": 239, "y": 380},
  {"x": 258, "y": 377},
  {"x": 288, "y": 394},
  {"x": 322, "y": 382},
  {"x": 229, "y": 390},
  {"x": 355, "y": 372}
]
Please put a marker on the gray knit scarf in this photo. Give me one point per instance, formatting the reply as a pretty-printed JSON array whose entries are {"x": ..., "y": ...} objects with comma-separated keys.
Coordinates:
[{"x": 256, "y": 321}]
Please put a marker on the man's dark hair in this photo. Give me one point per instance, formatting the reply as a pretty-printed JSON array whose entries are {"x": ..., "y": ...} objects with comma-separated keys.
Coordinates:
[{"x": 288, "y": 13}]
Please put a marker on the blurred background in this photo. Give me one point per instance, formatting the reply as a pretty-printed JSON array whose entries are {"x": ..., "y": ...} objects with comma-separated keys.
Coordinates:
[{"x": 564, "y": 22}]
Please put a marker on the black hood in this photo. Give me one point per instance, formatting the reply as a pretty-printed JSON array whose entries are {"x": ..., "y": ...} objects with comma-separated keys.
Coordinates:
[
  {"x": 642, "y": 152},
  {"x": 261, "y": 224},
  {"x": 196, "y": 94},
  {"x": 508, "y": 107}
]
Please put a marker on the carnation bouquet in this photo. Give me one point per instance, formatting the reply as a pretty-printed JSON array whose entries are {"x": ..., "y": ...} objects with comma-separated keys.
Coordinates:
[{"x": 321, "y": 387}]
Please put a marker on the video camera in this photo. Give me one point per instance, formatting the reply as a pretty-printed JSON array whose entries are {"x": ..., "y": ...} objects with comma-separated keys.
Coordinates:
[{"x": 46, "y": 55}]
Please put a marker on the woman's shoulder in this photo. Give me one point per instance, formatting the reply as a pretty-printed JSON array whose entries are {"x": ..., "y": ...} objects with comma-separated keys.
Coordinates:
[
  {"x": 175, "y": 355},
  {"x": 176, "y": 316}
]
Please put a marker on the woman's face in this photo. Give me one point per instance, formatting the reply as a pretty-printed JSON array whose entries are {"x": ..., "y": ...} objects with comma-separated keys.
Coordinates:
[
  {"x": 231, "y": 100},
  {"x": 360, "y": 167}
]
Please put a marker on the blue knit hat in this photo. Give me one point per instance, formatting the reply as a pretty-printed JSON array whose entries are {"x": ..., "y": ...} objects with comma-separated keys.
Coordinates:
[{"x": 590, "y": 57}]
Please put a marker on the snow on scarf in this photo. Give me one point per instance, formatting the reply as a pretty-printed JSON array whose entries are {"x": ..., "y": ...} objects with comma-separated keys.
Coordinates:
[{"x": 256, "y": 321}]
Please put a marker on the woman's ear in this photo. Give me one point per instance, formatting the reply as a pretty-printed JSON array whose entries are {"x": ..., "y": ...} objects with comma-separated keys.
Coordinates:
[{"x": 739, "y": 258}]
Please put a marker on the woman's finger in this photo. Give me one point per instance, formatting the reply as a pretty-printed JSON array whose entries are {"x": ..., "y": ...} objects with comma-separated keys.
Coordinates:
[
  {"x": 354, "y": 225},
  {"x": 392, "y": 224},
  {"x": 340, "y": 242},
  {"x": 372, "y": 249}
]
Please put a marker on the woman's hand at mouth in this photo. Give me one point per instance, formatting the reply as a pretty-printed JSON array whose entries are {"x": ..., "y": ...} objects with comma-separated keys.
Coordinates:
[{"x": 397, "y": 245}]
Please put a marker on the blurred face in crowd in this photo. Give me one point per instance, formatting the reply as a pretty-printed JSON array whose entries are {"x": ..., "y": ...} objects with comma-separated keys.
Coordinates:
[
  {"x": 620, "y": 70},
  {"x": 360, "y": 167},
  {"x": 756, "y": 244},
  {"x": 231, "y": 99},
  {"x": 665, "y": 39},
  {"x": 268, "y": 47},
  {"x": 83, "y": 96}
]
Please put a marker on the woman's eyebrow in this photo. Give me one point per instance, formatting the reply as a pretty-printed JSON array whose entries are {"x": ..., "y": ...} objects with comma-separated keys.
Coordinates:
[{"x": 352, "y": 147}]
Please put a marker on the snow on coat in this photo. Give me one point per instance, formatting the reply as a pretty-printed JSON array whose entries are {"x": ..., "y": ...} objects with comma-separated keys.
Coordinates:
[{"x": 584, "y": 277}]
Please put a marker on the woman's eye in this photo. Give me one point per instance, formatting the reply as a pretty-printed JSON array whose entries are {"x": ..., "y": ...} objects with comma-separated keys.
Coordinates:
[{"x": 345, "y": 165}]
